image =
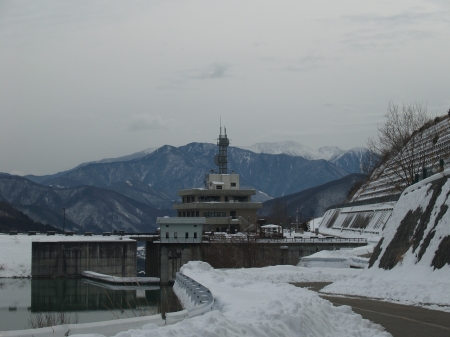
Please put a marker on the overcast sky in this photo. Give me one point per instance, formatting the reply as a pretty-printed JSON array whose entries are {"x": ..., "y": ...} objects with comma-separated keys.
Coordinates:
[{"x": 87, "y": 80}]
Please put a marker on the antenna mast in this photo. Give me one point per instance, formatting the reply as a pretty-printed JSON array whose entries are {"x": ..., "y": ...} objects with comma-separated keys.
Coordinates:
[{"x": 221, "y": 159}]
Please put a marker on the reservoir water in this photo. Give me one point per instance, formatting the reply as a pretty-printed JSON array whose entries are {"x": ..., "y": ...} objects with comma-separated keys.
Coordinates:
[{"x": 23, "y": 300}]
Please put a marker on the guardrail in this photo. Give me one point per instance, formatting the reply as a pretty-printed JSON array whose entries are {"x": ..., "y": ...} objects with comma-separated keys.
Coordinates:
[{"x": 196, "y": 297}]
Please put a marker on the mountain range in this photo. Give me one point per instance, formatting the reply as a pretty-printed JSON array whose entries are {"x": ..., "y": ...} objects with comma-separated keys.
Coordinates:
[
  {"x": 351, "y": 160},
  {"x": 131, "y": 191},
  {"x": 311, "y": 202},
  {"x": 86, "y": 207},
  {"x": 155, "y": 178},
  {"x": 11, "y": 219}
]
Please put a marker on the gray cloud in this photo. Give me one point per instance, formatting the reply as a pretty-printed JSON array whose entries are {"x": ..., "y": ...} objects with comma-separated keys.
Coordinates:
[
  {"x": 384, "y": 32},
  {"x": 405, "y": 18},
  {"x": 214, "y": 71},
  {"x": 149, "y": 122},
  {"x": 304, "y": 63}
]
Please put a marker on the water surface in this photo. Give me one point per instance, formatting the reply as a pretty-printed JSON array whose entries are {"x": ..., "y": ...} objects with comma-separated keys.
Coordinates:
[{"x": 22, "y": 300}]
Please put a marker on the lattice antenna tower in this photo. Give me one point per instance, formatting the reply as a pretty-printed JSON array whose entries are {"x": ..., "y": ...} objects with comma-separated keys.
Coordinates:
[{"x": 221, "y": 159}]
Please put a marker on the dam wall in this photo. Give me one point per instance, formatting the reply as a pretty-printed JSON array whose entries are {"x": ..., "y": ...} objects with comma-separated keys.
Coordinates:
[
  {"x": 72, "y": 258},
  {"x": 164, "y": 260}
]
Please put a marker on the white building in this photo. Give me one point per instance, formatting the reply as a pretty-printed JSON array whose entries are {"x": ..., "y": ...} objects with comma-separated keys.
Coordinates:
[{"x": 181, "y": 230}]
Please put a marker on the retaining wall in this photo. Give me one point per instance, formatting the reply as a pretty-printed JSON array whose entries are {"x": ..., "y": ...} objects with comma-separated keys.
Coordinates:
[{"x": 360, "y": 219}]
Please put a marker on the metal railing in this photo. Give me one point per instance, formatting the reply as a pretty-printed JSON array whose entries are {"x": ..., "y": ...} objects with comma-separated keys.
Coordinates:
[
  {"x": 200, "y": 298},
  {"x": 198, "y": 293},
  {"x": 292, "y": 240},
  {"x": 377, "y": 200}
]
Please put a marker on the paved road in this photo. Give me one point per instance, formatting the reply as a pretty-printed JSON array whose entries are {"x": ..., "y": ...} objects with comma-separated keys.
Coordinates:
[{"x": 399, "y": 320}]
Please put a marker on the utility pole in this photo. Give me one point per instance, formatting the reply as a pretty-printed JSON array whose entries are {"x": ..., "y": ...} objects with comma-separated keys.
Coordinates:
[{"x": 64, "y": 220}]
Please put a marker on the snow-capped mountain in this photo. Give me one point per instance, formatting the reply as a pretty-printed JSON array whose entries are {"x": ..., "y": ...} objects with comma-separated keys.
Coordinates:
[
  {"x": 288, "y": 147},
  {"x": 351, "y": 160},
  {"x": 330, "y": 153}
]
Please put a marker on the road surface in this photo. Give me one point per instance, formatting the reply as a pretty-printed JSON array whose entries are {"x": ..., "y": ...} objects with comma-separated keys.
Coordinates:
[{"x": 399, "y": 320}]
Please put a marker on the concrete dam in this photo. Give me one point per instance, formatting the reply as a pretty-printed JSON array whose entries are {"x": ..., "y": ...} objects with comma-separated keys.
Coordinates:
[{"x": 69, "y": 259}]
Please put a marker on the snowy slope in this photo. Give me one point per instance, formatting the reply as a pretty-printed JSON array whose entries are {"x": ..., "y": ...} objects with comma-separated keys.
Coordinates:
[{"x": 411, "y": 263}]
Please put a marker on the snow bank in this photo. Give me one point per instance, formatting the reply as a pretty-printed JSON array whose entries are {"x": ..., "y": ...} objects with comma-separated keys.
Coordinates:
[
  {"x": 342, "y": 258},
  {"x": 411, "y": 263},
  {"x": 119, "y": 280},
  {"x": 250, "y": 304},
  {"x": 287, "y": 274}
]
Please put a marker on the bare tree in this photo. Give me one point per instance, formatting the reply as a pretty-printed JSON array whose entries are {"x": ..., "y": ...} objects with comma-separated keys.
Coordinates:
[{"x": 405, "y": 144}]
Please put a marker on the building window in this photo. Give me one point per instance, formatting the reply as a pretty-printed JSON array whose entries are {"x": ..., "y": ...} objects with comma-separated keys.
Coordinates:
[
  {"x": 218, "y": 187},
  {"x": 209, "y": 199},
  {"x": 233, "y": 214},
  {"x": 187, "y": 235},
  {"x": 167, "y": 235},
  {"x": 233, "y": 184},
  {"x": 195, "y": 235},
  {"x": 197, "y": 214},
  {"x": 214, "y": 214},
  {"x": 175, "y": 235}
]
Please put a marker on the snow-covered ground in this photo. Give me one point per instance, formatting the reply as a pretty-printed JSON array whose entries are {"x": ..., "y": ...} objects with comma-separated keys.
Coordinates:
[
  {"x": 342, "y": 258},
  {"x": 15, "y": 253},
  {"x": 418, "y": 286},
  {"x": 261, "y": 302},
  {"x": 251, "y": 302}
]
